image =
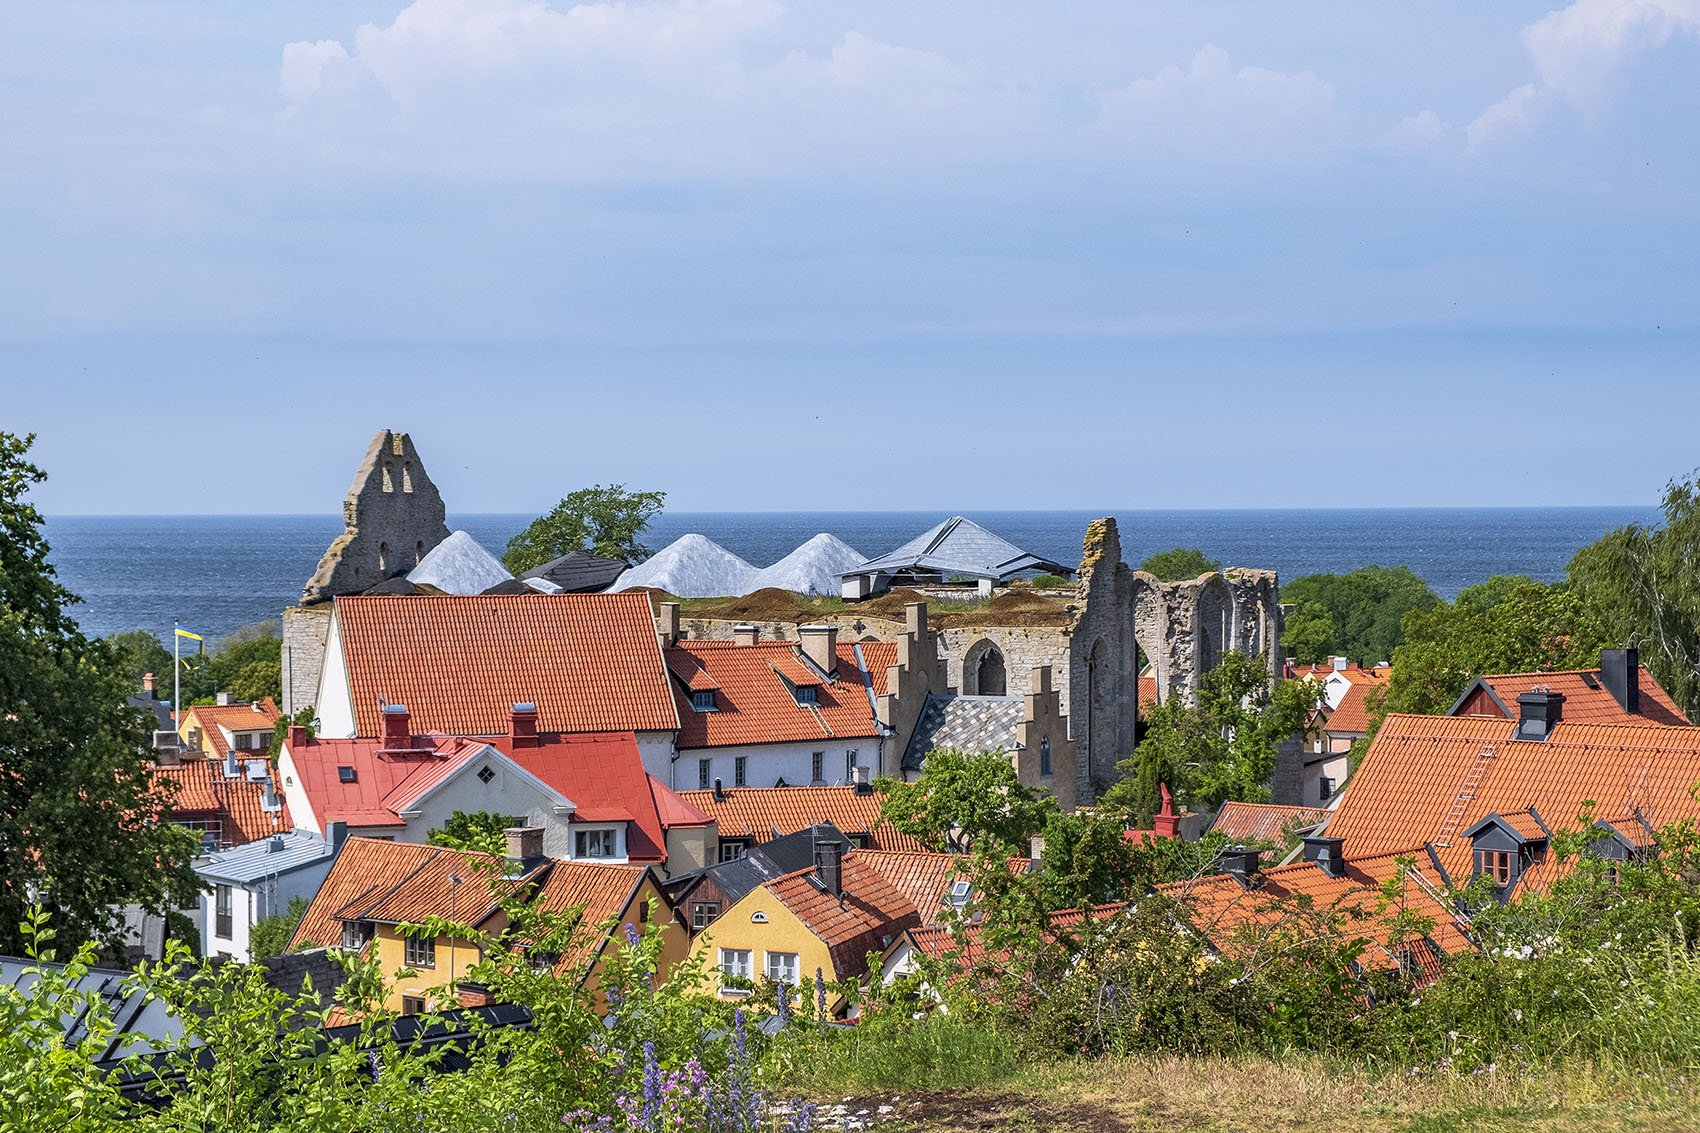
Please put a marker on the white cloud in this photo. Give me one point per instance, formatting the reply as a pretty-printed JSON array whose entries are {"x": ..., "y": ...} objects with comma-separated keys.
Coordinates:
[
  {"x": 1508, "y": 116},
  {"x": 1418, "y": 131},
  {"x": 303, "y": 64}
]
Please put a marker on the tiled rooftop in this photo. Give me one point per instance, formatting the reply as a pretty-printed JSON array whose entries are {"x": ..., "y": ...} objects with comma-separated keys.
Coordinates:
[
  {"x": 1262, "y": 822},
  {"x": 754, "y": 813},
  {"x": 203, "y": 792},
  {"x": 1586, "y": 699},
  {"x": 973, "y": 724},
  {"x": 867, "y": 917},
  {"x": 754, "y": 705},
  {"x": 924, "y": 879}
]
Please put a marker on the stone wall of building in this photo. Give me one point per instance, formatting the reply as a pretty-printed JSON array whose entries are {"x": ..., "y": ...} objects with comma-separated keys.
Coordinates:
[
  {"x": 305, "y": 629},
  {"x": 392, "y": 517}
]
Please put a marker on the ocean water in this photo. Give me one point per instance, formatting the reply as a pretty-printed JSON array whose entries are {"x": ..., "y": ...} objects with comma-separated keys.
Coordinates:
[{"x": 215, "y": 574}]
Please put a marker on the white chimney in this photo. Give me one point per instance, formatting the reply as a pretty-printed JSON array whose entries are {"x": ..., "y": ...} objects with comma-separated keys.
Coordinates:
[{"x": 745, "y": 634}]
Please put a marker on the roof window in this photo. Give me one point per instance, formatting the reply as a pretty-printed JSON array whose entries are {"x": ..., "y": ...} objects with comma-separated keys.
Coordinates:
[
  {"x": 345, "y": 774},
  {"x": 703, "y": 700},
  {"x": 959, "y": 891},
  {"x": 808, "y": 695}
]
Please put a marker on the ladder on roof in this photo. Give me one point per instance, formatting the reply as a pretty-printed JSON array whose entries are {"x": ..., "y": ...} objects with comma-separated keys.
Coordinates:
[
  {"x": 1459, "y": 922},
  {"x": 1466, "y": 795}
]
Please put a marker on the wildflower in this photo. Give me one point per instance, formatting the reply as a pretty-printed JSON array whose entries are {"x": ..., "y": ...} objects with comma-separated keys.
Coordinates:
[{"x": 1517, "y": 1013}]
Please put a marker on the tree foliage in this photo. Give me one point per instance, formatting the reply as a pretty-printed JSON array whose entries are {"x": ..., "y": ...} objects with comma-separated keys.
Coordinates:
[
  {"x": 1179, "y": 564},
  {"x": 1356, "y": 615},
  {"x": 78, "y": 801},
  {"x": 603, "y": 520},
  {"x": 964, "y": 800},
  {"x": 477, "y": 830},
  {"x": 270, "y": 935},
  {"x": 1223, "y": 747},
  {"x": 1643, "y": 584}
]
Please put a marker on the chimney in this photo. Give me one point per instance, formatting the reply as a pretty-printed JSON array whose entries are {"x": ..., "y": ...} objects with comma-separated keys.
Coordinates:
[
  {"x": 859, "y": 776},
  {"x": 1166, "y": 823},
  {"x": 1243, "y": 865},
  {"x": 522, "y": 725},
  {"x": 259, "y": 770},
  {"x": 224, "y": 700},
  {"x": 669, "y": 629},
  {"x": 195, "y": 740},
  {"x": 268, "y": 795},
  {"x": 1538, "y": 711},
  {"x": 150, "y": 684},
  {"x": 231, "y": 768},
  {"x": 1328, "y": 853},
  {"x": 297, "y": 736},
  {"x": 1620, "y": 672},
  {"x": 820, "y": 645},
  {"x": 1339, "y": 664},
  {"x": 166, "y": 754},
  {"x": 336, "y": 833},
  {"x": 1036, "y": 852},
  {"x": 829, "y": 866},
  {"x": 274, "y": 844},
  {"x": 719, "y": 791},
  {"x": 525, "y": 845},
  {"x": 398, "y": 729},
  {"x": 745, "y": 634}
]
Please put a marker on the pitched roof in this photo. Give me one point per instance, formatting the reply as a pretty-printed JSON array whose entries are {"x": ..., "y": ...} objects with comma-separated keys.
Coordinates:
[
  {"x": 210, "y": 718},
  {"x": 600, "y": 889},
  {"x": 1262, "y": 822},
  {"x": 265, "y": 857},
  {"x": 369, "y": 871},
  {"x": 959, "y": 546},
  {"x": 379, "y": 785},
  {"x": 753, "y": 703},
  {"x": 867, "y": 917},
  {"x": 966, "y": 940},
  {"x": 973, "y": 724},
  {"x": 1586, "y": 698},
  {"x": 603, "y": 775},
  {"x": 590, "y": 662},
  {"x": 203, "y": 792},
  {"x": 579, "y": 572},
  {"x": 672, "y": 808},
  {"x": 924, "y": 879},
  {"x": 760, "y": 863},
  {"x": 1147, "y": 691},
  {"x": 755, "y": 812},
  {"x": 1429, "y": 778},
  {"x": 879, "y": 657},
  {"x": 1351, "y": 717}
]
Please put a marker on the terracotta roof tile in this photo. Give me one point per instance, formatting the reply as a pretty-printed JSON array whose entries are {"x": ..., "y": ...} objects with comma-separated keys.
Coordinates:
[
  {"x": 210, "y": 718},
  {"x": 754, "y": 813},
  {"x": 1262, "y": 822},
  {"x": 869, "y": 915},
  {"x": 590, "y": 662},
  {"x": 1418, "y": 766},
  {"x": 879, "y": 656},
  {"x": 1586, "y": 699},
  {"x": 753, "y": 705},
  {"x": 1351, "y": 717},
  {"x": 365, "y": 870},
  {"x": 599, "y": 889},
  {"x": 924, "y": 879},
  {"x": 204, "y": 793}
]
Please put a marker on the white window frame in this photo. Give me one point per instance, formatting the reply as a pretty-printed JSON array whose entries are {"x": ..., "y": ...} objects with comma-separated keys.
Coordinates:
[
  {"x": 769, "y": 967},
  {"x": 731, "y": 960},
  {"x": 613, "y": 836},
  {"x": 703, "y": 914},
  {"x": 419, "y": 951}
]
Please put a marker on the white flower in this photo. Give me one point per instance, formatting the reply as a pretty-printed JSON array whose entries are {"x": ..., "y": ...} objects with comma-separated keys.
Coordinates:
[
  {"x": 1605, "y": 944},
  {"x": 1518, "y": 1014}
]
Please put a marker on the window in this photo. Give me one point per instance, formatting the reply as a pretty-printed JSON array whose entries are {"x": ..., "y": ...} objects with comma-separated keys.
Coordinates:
[
  {"x": 355, "y": 934},
  {"x": 959, "y": 890},
  {"x": 345, "y": 774},
  {"x": 1496, "y": 864},
  {"x": 817, "y": 765},
  {"x": 702, "y": 913},
  {"x": 703, "y": 700},
  {"x": 807, "y": 695},
  {"x": 244, "y": 741},
  {"x": 1045, "y": 756},
  {"x": 705, "y": 768},
  {"x": 222, "y": 913},
  {"x": 735, "y": 962},
  {"x": 850, "y": 758},
  {"x": 594, "y": 844},
  {"x": 412, "y": 1005},
  {"x": 420, "y": 952},
  {"x": 782, "y": 967},
  {"x": 486, "y": 773},
  {"x": 1326, "y": 786},
  {"x": 733, "y": 848},
  {"x": 738, "y": 771}
]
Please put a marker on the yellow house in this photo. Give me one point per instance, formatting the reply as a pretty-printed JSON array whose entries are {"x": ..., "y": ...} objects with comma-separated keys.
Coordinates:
[
  {"x": 825, "y": 919},
  {"x": 213, "y": 729},
  {"x": 376, "y": 886}
]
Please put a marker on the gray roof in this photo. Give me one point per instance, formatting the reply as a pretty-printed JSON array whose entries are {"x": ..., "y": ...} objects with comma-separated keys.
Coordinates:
[
  {"x": 761, "y": 863},
  {"x": 968, "y": 723},
  {"x": 959, "y": 546},
  {"x": 134, "y": 1012},
  {"x": 260, "y": 859},
  {"x": 580, "y": 572}
]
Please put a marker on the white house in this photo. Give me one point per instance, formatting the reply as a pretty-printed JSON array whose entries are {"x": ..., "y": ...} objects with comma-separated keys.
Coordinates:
[{"x": 247, "y": 883}]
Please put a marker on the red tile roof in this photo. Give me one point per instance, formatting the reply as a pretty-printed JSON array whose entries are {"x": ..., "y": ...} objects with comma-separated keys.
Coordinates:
[
  {"x": 1147, "y": 692},
  {"x": 879, "y": 656},
  {"x": 754, "y": 813},
  {"x": 590, "y": 662},
  {"x": 1582, "y": 704},
  {"x": 603, "y": 775},
  {"x": 869, "y": 915},
  {"x": 672, "y": 807},
  {"x": 203, "y": 792},
  {"x": 1419, "y": 766},
  {"x": 599, "y": 889},
  {"x": 753, "y": 705},
  {"x": 967, "y": 943},
  {"x": 382, "y": 783},
  {"x": 924, "y": 879},
  {"x": 209, "y": 718},
  {"x": 397, "y": 882},
  {"x": 1262, "y": 822},
  {"x": 1351, "y": 717}
]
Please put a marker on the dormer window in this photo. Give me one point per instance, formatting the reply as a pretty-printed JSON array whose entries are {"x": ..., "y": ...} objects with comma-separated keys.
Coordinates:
[
  {"x": 808, "y": 696},
  {"x": 1496, "y": 864},
  {"x": 703, "y": 700},
  {"x": 959, "y": 890}
]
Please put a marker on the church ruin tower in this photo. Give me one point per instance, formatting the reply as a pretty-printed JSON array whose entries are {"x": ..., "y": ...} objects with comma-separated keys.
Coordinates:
[{"x": 393, "y": 516}]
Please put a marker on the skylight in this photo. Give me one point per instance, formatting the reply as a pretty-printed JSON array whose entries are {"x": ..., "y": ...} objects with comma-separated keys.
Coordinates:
[{"x": 345, "y": 774}]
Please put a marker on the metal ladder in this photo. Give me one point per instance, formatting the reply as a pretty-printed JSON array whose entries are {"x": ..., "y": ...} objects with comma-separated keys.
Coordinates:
[{"x": 1466, "y": 795}]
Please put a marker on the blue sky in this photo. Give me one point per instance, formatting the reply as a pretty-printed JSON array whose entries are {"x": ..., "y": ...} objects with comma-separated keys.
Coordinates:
[{"x": 870, "y": 255}]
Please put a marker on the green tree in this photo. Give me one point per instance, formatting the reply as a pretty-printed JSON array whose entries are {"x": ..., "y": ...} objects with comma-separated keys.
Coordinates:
[
  {"x": 270, "y": 935},
  {"x": 1179, "y": 565},
  {"x": 1223, "y": 747},
  {"x": 478, "y": 830},
  {"x": 1643, "y": 586},
  {"x": 604, "y": 520},
  {"x": 964, "y": 800},
  {"x": 304, "y": 718},
  {"x": 1356, "y": 615},
  {"x": 140, "y": 653},
  {"x": 79, "y": 802},
  {"x": 248, "y": 669}
]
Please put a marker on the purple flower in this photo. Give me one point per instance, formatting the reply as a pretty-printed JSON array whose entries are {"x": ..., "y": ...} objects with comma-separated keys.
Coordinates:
[{"x": 631, "y": 936}]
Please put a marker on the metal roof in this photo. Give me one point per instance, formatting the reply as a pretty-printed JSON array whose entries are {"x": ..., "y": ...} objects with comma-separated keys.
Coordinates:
[
  {"x": 267, "y": 857},
  {"x": 959, "y": 546},
  {"x": 134, "y": 1013},
  {"x": 762, "y": 863},
  {"x": 973, "y": 724},
  {"x": 580, "y": 572}
]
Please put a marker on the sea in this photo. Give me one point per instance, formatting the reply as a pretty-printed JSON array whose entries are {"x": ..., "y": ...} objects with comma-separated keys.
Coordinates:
[{"x": 217, "y": 574}]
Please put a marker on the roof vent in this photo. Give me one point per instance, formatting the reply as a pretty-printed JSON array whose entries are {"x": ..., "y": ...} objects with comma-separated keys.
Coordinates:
[
  {"x": 719, "y": 792},
  {"x": 1243, "y": 865},
  {"x": 1328, "y": 853},
  {"x": 274, "y": 844},
  {"x": 1539, "y": 711}
]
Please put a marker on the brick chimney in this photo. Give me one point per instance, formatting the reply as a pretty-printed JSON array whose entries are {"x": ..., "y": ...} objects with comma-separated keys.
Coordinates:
[
  {"x": 398, "y": 728},
  {"x": 745, "y": 634},
  {"x": 522, "y": 725},
  {"x": 1538, "y": 711},
  {"x": 829, "y": 866},
  {"x": 820, "y": 645},
  {"x": 297, "y": 737},
  {"x": 525, "y": 845},
  {"x": 1166, "y": 823},
  {"x": 668, "y": 626},
  {"x": 1620, "y": 672},
  {"x": 150, "y": 683}
]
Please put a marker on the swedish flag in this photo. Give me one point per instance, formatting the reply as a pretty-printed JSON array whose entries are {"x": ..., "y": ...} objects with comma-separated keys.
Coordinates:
[{"x": 181, "y": 632}]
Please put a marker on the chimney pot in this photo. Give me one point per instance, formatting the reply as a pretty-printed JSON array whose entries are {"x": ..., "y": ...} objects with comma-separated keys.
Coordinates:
[
  {"x": 820, "y": 645},
  {"x": 745, "y": 634},
  {"x": 719, "y": 791},
  {"x": 149, "y": 682},
  {"x": 829, "y": 866}
]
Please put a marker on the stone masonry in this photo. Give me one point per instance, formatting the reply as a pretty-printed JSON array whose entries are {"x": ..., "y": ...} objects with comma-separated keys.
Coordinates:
[{"x": 392, "y": 517}]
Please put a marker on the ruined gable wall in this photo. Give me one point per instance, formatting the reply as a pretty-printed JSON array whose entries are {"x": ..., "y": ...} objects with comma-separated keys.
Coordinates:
[
  {"x": 305, "y": 630},
  {"x": 392, "y": 516}
]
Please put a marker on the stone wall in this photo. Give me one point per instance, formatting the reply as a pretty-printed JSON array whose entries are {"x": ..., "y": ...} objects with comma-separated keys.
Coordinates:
[
  {"x": 305, "y": 629},
  {"x": 392, "y": 517}
]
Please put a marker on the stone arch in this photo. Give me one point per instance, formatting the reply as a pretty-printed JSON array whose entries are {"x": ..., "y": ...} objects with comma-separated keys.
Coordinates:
[
  {"x": 407, "y": 477},
  {"x": 984, "y": 672},
  {"x": 1151, "y": 627},
  {"x": 1213, "y": 622},
  {"x": 1101, "y": 723}
]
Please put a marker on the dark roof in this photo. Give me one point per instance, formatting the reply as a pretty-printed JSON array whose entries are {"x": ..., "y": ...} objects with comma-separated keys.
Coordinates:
[
  {"x": 959, "y": 546},
  {"x": 133, "y": 1011},
  {"x": 973, "y": 724},
  {"x": 760, "y": 863},
  {"x": 150, "y": 702},
  {"x": 580, "y": 572}
]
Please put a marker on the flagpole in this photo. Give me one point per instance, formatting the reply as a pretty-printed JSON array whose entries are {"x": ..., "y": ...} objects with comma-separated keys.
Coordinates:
[{"x": 176, "y": 680}]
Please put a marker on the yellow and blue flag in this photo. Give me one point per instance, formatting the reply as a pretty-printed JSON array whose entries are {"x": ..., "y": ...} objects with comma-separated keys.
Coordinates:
[{"x": 181, "y": 632}]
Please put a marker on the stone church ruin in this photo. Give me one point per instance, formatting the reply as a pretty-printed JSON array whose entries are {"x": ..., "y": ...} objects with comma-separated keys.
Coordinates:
[{"x": 392, "y": 519}]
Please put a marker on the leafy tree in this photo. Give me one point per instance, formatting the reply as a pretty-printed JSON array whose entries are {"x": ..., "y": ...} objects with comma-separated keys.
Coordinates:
[
  {"x": 270, "y": 935},
  {"x": 1356, "y": 615},
  {"x": 280, "y": 731},
  {"x": 478, "y": 830},
  {"x": 1642, "y": 584},
  {"x": 604, "y": 520},
  {"x": 963, "y": 800},
  {"x": 247, "y": 670},
  {"x": 1179, "y": 565},
  {"x": 140, "y": 653},
  {"x": 1222, "y": 747},
  {"x": 78, "y": 802}
]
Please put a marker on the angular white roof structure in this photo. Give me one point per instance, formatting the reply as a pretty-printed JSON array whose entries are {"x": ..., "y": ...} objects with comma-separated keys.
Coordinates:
[
  {"x": 813, "y": 569},
  {"x": 692, "y": 566},
  {"x": 459, "y": 565},
  {"x": 957, "y": 546}
]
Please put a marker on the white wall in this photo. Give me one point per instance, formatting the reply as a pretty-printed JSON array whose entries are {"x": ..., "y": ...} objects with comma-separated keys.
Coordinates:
[
  {"x": 334, "y": 704},
  {"x": 254, "y": 901},
  {"x": 655, "y": 749},
  {"x": 767, "y": 763}
]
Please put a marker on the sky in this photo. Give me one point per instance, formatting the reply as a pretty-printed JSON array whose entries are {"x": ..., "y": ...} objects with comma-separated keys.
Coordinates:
[{"x": 871, "y": 255}]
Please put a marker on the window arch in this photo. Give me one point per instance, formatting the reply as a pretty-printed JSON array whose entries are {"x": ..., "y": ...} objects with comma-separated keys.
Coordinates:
[{"x": 983, "y": 670}]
